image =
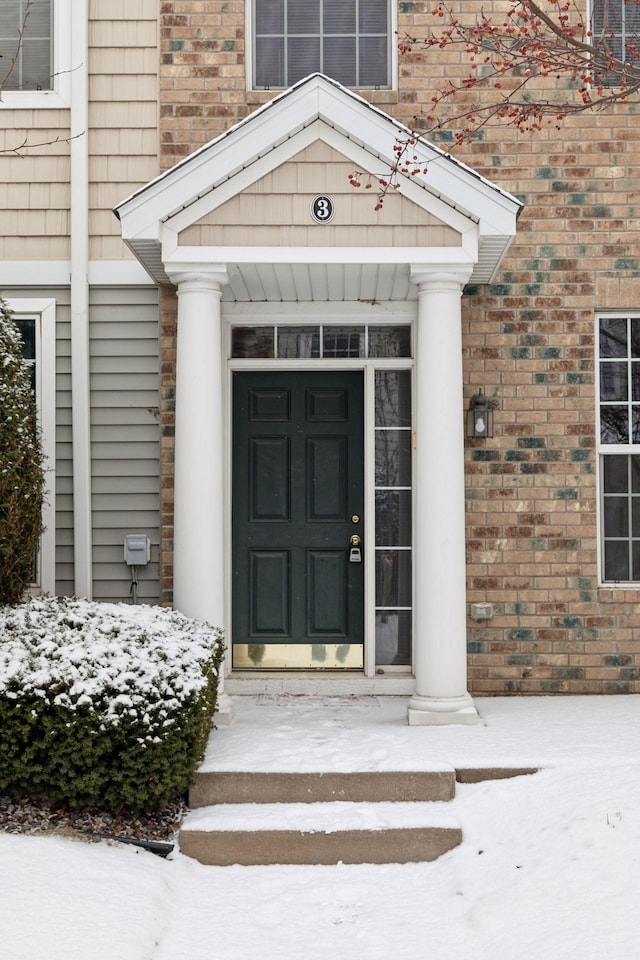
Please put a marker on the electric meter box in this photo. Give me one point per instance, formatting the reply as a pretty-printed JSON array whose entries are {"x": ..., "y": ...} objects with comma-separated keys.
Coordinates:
[{"x": 136, "y": 549}]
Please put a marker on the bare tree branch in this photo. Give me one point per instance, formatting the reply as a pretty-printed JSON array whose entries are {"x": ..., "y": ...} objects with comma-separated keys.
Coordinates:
[
  {"x": 19, "y": 148},
  {"x": 19, "y": 43},
  {"x": 535, "y": 64}
]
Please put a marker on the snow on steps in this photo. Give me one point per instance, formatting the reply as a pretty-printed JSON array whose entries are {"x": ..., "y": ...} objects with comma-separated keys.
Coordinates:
[
  {"x": 314, "y": 833},
  {"x": 320, "y": 818},
  {"x": 258, "y": 786}
]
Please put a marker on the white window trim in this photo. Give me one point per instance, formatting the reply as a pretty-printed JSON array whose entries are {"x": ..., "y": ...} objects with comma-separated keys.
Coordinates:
[
  {"x": 604, "y": 449},
  {"x": 393, "y": 49},
  {"x": 44, "y": 310},
  {"x": 60, "y": 95}
]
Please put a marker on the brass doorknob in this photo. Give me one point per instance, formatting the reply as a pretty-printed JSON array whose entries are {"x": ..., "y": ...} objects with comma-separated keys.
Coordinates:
[{"x": 354, "y": 540}]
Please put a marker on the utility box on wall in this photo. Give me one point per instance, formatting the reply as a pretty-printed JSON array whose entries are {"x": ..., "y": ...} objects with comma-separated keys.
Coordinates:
[
  {"x": 482, "y": 611},
  {"x": 136, "y": 549}
]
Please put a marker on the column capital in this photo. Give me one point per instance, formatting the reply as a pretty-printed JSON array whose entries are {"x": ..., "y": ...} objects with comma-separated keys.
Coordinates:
[
  {"x": 211, "y": 277},
  {"x": 440, "y": 276}
]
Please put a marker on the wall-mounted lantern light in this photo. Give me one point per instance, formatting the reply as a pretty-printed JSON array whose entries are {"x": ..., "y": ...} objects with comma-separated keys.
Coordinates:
[{"x": 479, "y": 417}]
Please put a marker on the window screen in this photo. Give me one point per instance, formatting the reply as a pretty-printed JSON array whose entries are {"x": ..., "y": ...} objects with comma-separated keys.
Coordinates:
[
  {"x": 616, "y": 28},
  {"x": 26, "y": 61},
  {"x": 347, "y": 40}
]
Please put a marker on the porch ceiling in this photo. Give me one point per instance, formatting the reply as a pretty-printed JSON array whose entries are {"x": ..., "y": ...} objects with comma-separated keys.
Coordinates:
[{"x": 306, "y": 282}]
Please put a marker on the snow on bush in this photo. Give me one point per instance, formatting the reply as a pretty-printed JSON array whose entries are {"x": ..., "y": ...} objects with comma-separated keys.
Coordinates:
[{"x": 106, "y": 704}]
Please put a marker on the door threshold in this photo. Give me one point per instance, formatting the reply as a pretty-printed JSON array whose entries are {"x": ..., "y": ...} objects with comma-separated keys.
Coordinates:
[{"x": 329, "y": 684}]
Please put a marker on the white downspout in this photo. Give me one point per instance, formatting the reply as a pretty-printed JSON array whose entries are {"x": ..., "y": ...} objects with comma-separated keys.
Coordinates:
[{"x": 79, "y": 229}]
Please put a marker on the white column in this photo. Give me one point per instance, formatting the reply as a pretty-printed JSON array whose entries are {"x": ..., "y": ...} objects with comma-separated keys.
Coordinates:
[
  {"x": 440, "y": 647},
  {"x": 198, "y": 523}
]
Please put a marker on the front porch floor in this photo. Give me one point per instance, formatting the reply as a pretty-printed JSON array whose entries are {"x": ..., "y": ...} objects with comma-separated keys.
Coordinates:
[{"x": 307, "y": 733}]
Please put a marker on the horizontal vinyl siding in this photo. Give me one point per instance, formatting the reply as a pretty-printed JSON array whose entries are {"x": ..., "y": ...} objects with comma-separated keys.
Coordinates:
[
  {"x": 275, "y": 211},
  {"x": 64, "y": 448},
  {"x": 34, "y": 185},
  {"x": 331, "y": 235},
  {"x": 123, "y": 114},
  {"x": 125, "y": 437}
]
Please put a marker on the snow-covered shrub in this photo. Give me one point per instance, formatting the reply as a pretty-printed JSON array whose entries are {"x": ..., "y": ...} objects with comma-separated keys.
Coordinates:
[
  {"x": 21, "y": 469},
  {"x": 103, "y": 704}
]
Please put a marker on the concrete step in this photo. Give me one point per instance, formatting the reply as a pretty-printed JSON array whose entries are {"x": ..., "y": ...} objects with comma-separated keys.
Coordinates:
[
  {"x": 435, "y": 785},
  {"x": 319, "y": 833}
]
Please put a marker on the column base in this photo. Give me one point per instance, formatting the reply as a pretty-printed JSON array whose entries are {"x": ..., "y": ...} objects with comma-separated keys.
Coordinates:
[
  {"x": 439, "y": 711},
  {"x": 224, "y": 710}
]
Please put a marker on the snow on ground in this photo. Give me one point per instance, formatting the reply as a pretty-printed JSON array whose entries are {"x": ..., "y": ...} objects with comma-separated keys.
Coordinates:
[{"x": 549, "y": 866}]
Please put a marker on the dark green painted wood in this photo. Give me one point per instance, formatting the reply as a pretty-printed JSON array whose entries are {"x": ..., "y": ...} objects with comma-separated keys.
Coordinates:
[{"x": 298, "y": 478}]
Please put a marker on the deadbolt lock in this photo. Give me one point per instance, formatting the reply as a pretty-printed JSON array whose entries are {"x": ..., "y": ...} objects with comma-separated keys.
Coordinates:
[
  {"x": 355, "y": 518},
  {"x": 354, "y": 540}
]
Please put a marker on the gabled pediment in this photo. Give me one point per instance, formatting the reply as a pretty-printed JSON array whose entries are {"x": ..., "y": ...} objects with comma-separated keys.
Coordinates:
[
  {"x": 245, "y": 196},
  {"x": 275, "y": 210}
]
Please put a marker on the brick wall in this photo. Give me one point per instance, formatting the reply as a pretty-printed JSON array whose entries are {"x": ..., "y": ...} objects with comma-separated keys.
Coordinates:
[{"x": 528, "y": 343}]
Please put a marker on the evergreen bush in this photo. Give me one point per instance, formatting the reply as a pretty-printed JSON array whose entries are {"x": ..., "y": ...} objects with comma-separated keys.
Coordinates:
[
  {"x": 104, "y": 705},
  {"x": 21, "y": 466}
]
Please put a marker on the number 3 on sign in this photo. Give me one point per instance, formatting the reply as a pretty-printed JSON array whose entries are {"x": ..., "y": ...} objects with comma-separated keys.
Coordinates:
[{"x": 322, "y": 209}]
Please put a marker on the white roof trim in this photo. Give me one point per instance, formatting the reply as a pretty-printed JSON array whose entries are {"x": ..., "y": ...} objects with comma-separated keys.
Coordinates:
[
  {"x": 315, "y": 108},
  {"x": 318, "y": 130}
]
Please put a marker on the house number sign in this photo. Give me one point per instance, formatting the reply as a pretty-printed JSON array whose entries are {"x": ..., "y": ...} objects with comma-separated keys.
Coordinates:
[{"x": 322, "y": 209}]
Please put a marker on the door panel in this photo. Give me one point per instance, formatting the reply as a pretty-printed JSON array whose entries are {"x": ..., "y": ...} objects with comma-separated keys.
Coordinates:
[
  {"x": 327, "y": 479},
  {"x": 269, "y": 473},
  {"x": 270, "y": 593},
  {"x": 326, "y": 594},
  {"x": 298, "y": 480}
]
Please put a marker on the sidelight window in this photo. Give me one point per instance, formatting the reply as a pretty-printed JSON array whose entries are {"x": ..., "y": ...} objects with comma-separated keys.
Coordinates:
[{"x": 393, "y": 516}]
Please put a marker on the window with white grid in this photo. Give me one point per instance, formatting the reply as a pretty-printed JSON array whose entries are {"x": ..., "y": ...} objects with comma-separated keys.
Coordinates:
[
  {"x": 348, "y": 40},
  {"x": 615, "y": 28},
  {"x": 26, "y": 45},
  {"x": 619, "y": 447}
]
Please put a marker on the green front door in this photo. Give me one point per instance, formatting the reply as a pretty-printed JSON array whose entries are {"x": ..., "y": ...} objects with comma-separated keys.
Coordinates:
[{"x": 298, "y": 500}]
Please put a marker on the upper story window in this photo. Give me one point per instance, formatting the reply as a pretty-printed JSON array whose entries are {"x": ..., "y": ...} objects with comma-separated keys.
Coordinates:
[
  {"x": 616, "y": 28},
  {"x": 348, "y": 40},
  {"x": 26, "y": 45},
  {"x": 44, "y": 67}
]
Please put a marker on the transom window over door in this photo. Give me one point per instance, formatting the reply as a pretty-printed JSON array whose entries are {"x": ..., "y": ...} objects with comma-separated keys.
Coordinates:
[
  {"x": 348, "y": 40},
  {"x": 32, "y": 53}
]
